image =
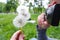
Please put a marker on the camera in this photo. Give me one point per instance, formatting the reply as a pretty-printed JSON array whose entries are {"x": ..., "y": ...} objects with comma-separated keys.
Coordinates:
[{"x": 53, "y": 14}]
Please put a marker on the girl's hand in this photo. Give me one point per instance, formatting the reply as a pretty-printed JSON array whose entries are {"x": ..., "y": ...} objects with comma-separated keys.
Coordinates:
[
  {"x": 17, "y": 36},
  {"x": 42, "y": 23}
]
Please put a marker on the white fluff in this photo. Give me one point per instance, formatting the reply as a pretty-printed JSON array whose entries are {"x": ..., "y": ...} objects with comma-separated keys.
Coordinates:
[
  {"x": 22, "y": 7},
  {"x": 24, "y": 11},
  {"x": 19, "y": 21},
  {"x": 22, "y": 17}
]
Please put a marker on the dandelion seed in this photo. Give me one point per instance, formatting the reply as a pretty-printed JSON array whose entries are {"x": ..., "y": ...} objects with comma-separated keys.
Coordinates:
[{"x": 19, "y": 22}]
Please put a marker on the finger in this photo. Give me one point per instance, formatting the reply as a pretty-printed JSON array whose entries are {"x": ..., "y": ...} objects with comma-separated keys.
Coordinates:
[
  {"x": 46, "y": 24},
  {"x": 21, "y": 36},
  {"x": 15, "y": 35}
]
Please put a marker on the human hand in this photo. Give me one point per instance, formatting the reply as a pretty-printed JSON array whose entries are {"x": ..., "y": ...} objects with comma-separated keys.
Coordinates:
[
  {"x": 42, "y": 23},
  {"x": 17, "y": 36}
]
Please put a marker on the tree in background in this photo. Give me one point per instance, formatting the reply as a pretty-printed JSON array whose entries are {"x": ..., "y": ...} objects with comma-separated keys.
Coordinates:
[
  {"x": 2, "y": 7},
  {"x": 11, "y": 5}
]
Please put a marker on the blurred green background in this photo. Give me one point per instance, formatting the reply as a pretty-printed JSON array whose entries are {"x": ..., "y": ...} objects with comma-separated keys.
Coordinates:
[{"x": 7, "y": 28}]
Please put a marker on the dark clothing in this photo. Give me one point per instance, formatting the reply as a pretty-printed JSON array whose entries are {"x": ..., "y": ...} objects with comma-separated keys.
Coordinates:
[{"x": 41, "y": 33}]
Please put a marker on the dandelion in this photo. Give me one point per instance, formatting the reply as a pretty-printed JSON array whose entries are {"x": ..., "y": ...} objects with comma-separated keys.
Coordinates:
[
  {"x": 19, "y": 21},
  {"x": 24, "y": 11},
  {"x": 20, "y": 7},
  {"x": 23, "y": 15}
]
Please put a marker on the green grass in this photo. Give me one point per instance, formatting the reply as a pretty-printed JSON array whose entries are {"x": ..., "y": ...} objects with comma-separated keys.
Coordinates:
[{"x": 7, "y": 28}]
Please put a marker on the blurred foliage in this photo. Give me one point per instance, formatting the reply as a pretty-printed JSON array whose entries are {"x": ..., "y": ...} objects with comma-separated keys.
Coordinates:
[
  {"x": 37, "y": 8},
  {"x": 10, "y": 6},
  {"x": 2, "y": 7}
]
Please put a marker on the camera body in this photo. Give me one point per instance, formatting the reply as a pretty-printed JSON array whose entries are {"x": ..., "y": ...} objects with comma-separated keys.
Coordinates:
[{"x": 53, "y": 14}]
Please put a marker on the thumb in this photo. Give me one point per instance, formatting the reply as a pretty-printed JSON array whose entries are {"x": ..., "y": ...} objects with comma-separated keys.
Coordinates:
[{"x": 15, "y": 36}]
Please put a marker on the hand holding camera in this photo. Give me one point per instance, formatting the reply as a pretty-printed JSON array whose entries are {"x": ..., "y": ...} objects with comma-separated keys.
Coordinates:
[{"x": 53, "y": 14}]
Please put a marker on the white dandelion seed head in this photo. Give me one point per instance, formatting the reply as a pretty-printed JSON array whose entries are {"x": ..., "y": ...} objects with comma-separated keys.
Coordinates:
[
  {"x": 21, "y": 8},
  {"x": 24, "y": 11},
  {"x": 23, "y": 15},
  {"x": 19, "y": 22}
]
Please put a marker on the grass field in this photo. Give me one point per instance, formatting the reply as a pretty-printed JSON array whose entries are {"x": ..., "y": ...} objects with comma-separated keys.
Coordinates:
[{"x": 7, "y": 28}]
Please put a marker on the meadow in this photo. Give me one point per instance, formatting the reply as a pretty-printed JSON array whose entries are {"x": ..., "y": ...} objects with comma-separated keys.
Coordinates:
[{"x": 7, "y": 28}]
